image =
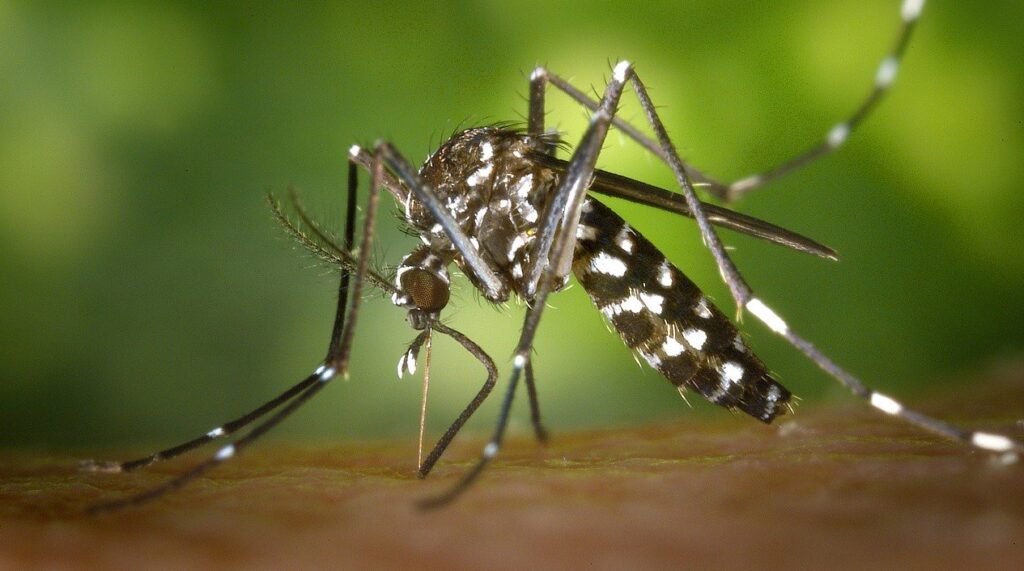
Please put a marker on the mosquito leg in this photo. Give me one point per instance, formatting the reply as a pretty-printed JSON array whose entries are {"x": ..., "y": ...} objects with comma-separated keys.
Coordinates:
[
  {"x": 739, "y": 289},
  {"x": 488, "y": 276},
  {"x": 535, "y": 127},
  {"x": 983, "y": 440},
  {"x": 546, "y": 76},
  {"x": 492, "y": 377},
  {"x": 744, "y": 297},
  {"x": 340, "y": 348},
  {"x": 222, "y": 455},
  {"x": 566, "y": 203},
  {"x": 910, "y": 11},
  {"x": 488, "y": 454},
  {"x": 365, "y": 159},
  {"x": 221, "y": 431},
  {"x": 237, "y": 424},
  {"x": 338, "y": 353},
  {"x": 535, "y": 120},
  {"x": 531, "y": 390},
  {"x": 538, "y": 85},
  {"x": 563, "y": 211}
]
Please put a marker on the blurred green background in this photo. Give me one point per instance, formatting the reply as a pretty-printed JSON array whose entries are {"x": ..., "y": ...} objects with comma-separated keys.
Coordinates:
[{"x": 147, "y": 295}]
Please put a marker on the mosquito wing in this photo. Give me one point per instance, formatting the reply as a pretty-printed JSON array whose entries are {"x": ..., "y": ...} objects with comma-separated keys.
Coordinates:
[{"x": 620, "y": 186}]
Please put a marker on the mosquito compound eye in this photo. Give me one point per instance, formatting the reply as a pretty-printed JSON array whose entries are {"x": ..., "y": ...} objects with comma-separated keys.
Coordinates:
[
  {"x": 422, "y": 279},
  {"x": 428, "y": 291}
]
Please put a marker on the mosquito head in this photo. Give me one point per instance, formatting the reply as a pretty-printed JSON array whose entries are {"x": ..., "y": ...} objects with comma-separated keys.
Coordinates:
[{"x": 423, "y": 286}]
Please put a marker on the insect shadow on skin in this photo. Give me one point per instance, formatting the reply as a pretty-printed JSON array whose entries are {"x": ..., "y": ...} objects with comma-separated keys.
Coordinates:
[{"x": 517, "y": 220}]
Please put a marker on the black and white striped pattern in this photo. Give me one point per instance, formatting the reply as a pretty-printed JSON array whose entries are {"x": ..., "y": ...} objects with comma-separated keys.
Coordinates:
[
  {"x": 422, "y": 282},
  {"x": 664, "y": 317},
  {"x": 495, "y": 191}
]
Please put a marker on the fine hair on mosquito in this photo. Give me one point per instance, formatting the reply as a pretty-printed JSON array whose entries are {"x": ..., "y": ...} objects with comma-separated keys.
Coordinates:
[{"x": 517, "y": 221}]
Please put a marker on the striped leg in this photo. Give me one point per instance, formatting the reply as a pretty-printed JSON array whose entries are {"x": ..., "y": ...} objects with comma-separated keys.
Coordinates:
[
  {"x": 744, "y": 297},
  {"x": 338, "y": 354},
  {"x": 494, "y": 288},
  {"x": 248, "y": 418},
  {"x": 910, "y": 12},
  {"x": 983, "y": 440},
  {"x": 221, "y": 431}
]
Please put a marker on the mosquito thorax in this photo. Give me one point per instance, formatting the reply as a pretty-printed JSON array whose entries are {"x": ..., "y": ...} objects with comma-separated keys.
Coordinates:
[{"x": 492, "y": 185}]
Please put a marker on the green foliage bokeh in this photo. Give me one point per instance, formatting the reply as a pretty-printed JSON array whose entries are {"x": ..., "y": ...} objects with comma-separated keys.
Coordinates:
[{"x": 148, "y": 296}]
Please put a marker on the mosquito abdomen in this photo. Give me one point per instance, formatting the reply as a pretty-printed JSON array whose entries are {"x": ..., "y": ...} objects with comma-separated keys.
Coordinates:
[{"x": 663, "y": 316}]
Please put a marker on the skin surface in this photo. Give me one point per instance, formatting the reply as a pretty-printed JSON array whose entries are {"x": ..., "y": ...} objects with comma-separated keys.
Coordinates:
[{"x": 838, "y": 486}]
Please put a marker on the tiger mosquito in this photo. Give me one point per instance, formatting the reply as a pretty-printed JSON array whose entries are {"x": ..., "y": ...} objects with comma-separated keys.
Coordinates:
[{"x": 516, "y": 220}]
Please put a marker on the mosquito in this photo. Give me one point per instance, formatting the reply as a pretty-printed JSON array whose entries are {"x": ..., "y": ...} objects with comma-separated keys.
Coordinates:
[{"x": 517, "y": 220}]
